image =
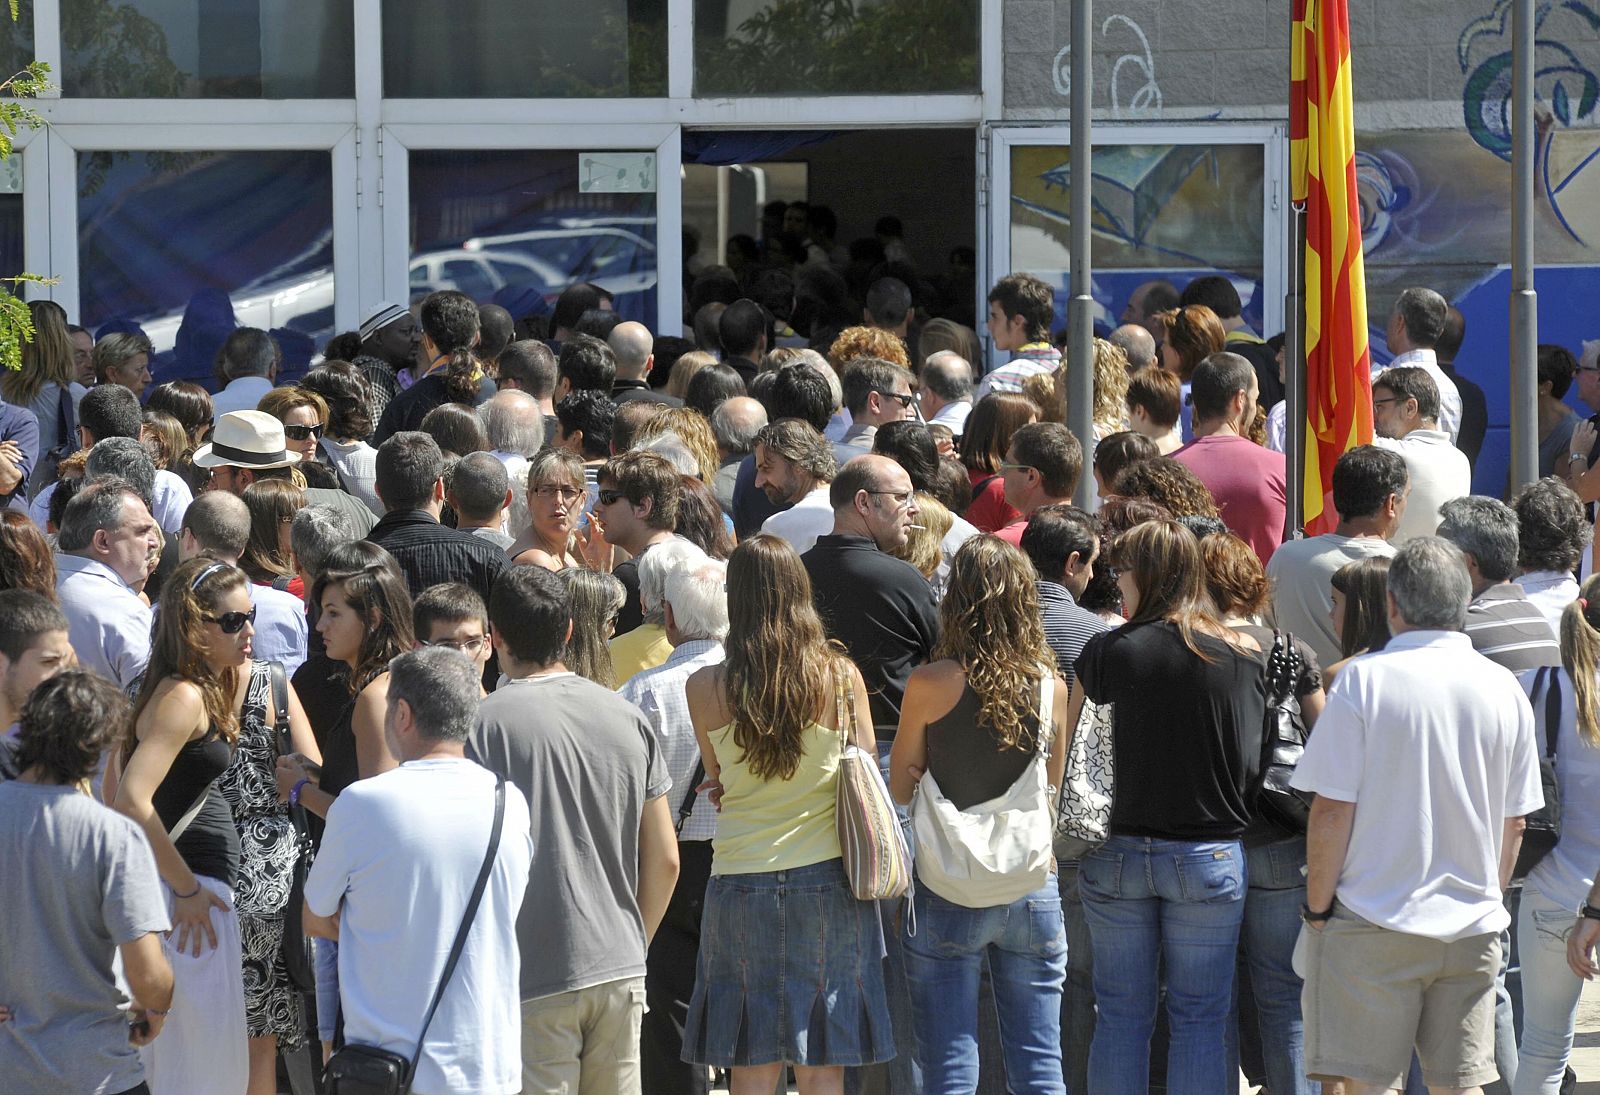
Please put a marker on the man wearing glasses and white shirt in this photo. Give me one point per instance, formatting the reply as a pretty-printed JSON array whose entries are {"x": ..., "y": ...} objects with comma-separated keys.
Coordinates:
[{"x": 1414, "y": 328}]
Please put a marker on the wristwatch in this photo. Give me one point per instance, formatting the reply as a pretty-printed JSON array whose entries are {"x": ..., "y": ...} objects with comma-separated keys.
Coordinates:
[
  {"x": 1311, "y": 917},
  {"x": 1578, "y": 456},
  {"x": 1589, "y": 912}
]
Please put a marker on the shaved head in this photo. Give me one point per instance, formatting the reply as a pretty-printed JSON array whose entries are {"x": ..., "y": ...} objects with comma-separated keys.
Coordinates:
[{"x": 631, "y": 344}]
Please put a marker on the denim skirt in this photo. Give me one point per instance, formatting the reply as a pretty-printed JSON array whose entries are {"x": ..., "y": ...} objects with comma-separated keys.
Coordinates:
[{"x": 791, "y": 970}]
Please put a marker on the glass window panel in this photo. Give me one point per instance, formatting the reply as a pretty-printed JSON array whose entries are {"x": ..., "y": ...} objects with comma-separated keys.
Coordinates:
[
  {"x": 11, "y": 255},
  {"x": 1160, "y": 212},
  {"x": 213, "y": 49},
  {"x": 16, "y": 40},
  {"x": 835, "y": 47},
  {"x": 514, "y": 49},
  {"x": 189, "y": 245},
  {"x": 515, "y": 228}
]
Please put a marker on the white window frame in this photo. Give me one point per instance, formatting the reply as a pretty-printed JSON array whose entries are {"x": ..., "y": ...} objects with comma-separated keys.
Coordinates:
[
  {"x": 370, "y": 199},
  {"x": 1272, "y": 139}
]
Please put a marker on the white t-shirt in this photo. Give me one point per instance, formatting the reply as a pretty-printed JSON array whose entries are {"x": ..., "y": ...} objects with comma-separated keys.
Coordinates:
[
  {"x": 398, "y": 860},
  {"x": 1450, "y": 756},
  {"x": 804, "y": 521},
  {"x": 1439, "y": 472}
]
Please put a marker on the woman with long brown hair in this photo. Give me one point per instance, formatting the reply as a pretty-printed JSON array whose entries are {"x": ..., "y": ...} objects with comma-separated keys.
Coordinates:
[
  {"x": 1193, "y": 333},
  {"x": 784, "y": 942},
  {"x": 971, "y": 721},
  {"x": 1188, "y": 698},
  {"x": 45, "y": 386},
  {"x": 1360, "y": 611},
  {"x": 996, "y": 417},
  {"x": 268, "y": 557},
  {"x": 181, "y": 739},
  {"x": 26, "y": 561}
]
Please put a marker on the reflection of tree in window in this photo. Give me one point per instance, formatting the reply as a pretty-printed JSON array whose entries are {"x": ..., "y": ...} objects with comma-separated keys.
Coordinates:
[{"x": 836, "y": 47}]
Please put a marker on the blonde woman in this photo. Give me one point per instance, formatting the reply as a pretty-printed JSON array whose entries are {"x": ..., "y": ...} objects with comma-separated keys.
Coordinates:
[{"x": 555, "y": 494}]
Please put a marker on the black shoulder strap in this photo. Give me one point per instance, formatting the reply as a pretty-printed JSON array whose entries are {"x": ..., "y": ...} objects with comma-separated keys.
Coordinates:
[
  {"x": 1552, "y": 710},
  {"x": 690, "y": 795},
  {"x": 280, "y": 707},
  {"x": 466, "y": 918}
]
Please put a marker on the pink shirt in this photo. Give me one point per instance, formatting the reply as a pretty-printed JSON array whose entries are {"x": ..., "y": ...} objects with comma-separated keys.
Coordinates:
[{"x": 1250, "y": 484}]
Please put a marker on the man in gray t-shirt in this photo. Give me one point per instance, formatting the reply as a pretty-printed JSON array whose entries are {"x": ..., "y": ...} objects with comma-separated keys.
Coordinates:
[
  {"x": 80, "y": 885},
  {"x": 605, "y": 857}
]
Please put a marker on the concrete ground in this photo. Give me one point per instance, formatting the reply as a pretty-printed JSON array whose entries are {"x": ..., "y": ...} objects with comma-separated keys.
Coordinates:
[{"x": 1586, "y": 1042}]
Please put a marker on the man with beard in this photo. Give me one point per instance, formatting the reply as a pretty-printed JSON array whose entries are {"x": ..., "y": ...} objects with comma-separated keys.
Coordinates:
[{"x": 795, "y": 467}]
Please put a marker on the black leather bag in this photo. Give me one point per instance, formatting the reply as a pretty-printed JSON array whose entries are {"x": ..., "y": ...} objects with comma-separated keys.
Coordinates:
[
  {"x": 299, "y": 961},
  {"x": 356, "y": 1069},
  {"x": 1544, "y": 824},
  {"x": 1283, "y": 740}
]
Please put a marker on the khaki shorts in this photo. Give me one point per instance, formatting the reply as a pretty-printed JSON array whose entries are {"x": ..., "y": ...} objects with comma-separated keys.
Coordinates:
[
  {"x": 584, "y": 1042},
  {"x": 1371, "y": 994}
]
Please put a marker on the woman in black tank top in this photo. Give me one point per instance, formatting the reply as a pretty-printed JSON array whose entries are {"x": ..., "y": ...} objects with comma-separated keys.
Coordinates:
[
  {"x": 970, "y": 721},
  {"x": 184, "y": 728}
]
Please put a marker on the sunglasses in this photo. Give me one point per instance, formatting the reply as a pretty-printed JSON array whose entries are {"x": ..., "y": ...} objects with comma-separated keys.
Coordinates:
[
  {"x": 610, "y": 497},
  {"x": 303, "y": 433},
  {"x": 231, "y": 623},
  {"x": 905, "y": 399}
]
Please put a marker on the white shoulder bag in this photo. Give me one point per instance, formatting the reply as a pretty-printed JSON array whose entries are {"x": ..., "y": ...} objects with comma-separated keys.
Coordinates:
[{"x": 994, "y": 852}]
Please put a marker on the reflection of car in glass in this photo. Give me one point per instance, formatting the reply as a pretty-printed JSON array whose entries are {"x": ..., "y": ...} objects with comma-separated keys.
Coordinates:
[
  {"x": 617, "y": 260},
  {"x": 304, "y": 305},
  {"x": 481, "y": 274}
]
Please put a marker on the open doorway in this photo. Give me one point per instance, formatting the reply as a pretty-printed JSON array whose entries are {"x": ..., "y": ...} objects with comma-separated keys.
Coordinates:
[{"x": 739, "y": 189}]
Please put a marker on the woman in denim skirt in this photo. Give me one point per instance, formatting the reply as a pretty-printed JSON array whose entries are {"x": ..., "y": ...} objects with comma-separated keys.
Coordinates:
[
  {"x": 1168, "y": 887},
  {"x": 970, "y": 719},
  {"x": 791, "y": 964}
]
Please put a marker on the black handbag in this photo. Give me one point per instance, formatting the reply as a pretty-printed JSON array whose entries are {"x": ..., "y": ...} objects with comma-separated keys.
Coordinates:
[
  {"x": 368, "y": 1070},
  {"x": 1283, "y": 740},
  {"x": 299, "y": 961},
  {"x": 1544, "y": 824}
]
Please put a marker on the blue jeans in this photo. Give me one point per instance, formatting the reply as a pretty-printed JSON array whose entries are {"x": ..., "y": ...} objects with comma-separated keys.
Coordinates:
[
  {"x": 1550, "y": 992},
  {"x": 1179, "y": 903},
  {"x": 1026, "y": 945},
  {"x": 1271, "y": 925},
  {"x": 1077, "y": 997}
]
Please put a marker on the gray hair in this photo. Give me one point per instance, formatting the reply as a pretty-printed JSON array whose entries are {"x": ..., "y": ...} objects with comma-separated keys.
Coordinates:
[
  {"x": 442, "y": 688},
  {"x": 670, "y": 447},
  {"x": 1137, "y": 343},
  {"x": 1486, "y": 529},
  {"x": 316, "y": 531},
  {"x": 1430, "y": 585},
  {"x": 1424, "y": 312},
  {"x": 699, "y": 599},
  {"x": 126, "y": 459},
  {"x": 656, "y": 565},
  {"x": 948, "y": 375},
  {"x": 513, "y": 422},
  {"x": 99, "y": 504},
  {"x": 736, "y": 422}
]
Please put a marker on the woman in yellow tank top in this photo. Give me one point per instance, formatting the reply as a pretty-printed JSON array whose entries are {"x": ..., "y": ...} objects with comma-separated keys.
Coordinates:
[{"x": 790, "y": 969}]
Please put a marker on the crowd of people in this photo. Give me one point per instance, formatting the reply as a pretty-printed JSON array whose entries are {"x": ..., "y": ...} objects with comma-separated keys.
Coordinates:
[{"x": 475, "y": 708}]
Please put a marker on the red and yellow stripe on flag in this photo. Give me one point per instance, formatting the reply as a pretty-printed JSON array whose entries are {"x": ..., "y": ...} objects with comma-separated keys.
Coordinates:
[{"x": 1323, "y": 173}]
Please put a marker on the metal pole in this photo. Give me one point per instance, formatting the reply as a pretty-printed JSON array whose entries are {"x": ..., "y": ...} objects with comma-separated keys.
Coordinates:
[
  {"x": 1080, "y": 308},
  {"x": 1524, "y": 301},
  {"x": 1294, "y": 373}
]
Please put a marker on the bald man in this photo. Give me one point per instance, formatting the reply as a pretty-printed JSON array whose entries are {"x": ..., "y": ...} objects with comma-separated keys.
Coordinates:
[
  {"x": 1136, "y": 343},
  {"x": 633, "y": 347}
]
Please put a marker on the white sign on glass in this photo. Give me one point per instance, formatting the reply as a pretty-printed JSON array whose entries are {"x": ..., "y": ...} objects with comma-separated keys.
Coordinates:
[{"x": 617, "y": 172}]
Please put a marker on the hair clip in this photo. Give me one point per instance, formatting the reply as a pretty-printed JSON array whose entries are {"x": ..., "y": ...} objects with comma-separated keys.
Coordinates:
[{"x": 1583, "y": 603}]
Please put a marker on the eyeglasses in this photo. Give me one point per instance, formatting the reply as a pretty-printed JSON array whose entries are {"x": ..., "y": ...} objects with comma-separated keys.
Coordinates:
[
  {"x": 565, "y": 494},
  {"x": 610, "y": 497},
  {"x": 902, "y": 498},
  {"x": 1016, "y": 467},
  {"x": 303, "y": 433},
  {"x": 905, "y": 399},
  {"x": 1380, "y": 402},
  {"x": 231, "y": 623},
  {"x": 1589, "y": 368},
  {"x": 470, "y": 647}
]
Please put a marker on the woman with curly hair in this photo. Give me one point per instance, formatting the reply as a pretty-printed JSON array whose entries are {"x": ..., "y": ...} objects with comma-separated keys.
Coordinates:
[
  {"x": 1165, "y": 481},
  {"x": 854, "y": 342},
  {"x": 181, "y": 739},
  {"x": 692, "y": 428},
  {"x": 344, "y": 446},
  {"x": 790, "y": 968},
  {"x": 970, "y": 721}
]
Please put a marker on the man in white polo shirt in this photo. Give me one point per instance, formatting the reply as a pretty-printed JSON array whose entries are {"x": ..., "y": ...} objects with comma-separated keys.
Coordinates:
[
  {"x": 1405, "y": 416},
  {"x": 1424, "y": 766}
]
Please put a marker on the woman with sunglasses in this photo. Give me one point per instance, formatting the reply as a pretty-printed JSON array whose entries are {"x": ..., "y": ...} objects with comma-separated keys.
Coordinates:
[
  {"x": 182, "y": 738},
  {"x": 556, "y": 493},
  {"x": 274, "y": 1010},
  {"x": 304, "y": 416}
]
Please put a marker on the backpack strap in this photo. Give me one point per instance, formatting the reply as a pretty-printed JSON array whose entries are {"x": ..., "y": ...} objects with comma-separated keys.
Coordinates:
[{"x": 1552, "y": 710}]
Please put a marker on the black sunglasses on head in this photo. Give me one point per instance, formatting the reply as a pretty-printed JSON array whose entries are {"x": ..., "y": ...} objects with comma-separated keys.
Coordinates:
[
  {"x": 303, "y": 433},
  {"x": 232, "y": 623}
]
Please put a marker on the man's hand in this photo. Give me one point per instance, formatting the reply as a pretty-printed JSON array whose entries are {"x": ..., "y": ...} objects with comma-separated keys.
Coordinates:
[
  {"x": 1580, "y": 947},
  {"x": 144, "y": 1025}
]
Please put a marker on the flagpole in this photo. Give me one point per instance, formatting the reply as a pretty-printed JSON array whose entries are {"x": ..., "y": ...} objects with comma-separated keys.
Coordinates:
[
  {"x": 1524, "y": 301},
  {"x": 1294, "y": 372},
  {"x": 1080, "y": 307}
]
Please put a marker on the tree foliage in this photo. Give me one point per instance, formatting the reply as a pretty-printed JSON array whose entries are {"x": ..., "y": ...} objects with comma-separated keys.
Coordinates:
[{"x": 16, "y": 323}]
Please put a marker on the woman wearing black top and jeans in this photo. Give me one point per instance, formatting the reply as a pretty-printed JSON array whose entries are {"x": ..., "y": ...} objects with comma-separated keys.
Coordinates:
[
  {"x": 1169, "y": 884},
  {"x": 971, "y": 720},
  {"x": 185, "y": 726}
]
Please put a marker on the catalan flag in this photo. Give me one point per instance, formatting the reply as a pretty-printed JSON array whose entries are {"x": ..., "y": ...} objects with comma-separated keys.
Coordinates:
[{"x": 1323, "y": 172}]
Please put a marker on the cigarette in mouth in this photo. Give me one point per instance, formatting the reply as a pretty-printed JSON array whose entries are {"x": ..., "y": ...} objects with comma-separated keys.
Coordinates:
[{"x": 917, "y": 526}]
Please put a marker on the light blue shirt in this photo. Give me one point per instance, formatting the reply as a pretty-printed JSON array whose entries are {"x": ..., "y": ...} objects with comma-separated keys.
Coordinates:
[
  {"x": 1565, "y": 875},
  {"x": 107, "y": 622},
  {"x": 281, "y": 627},
  {"x": 240, "y": 395},
  {"x": 659, "y": 693},
  {"x": 169, "y": 501}
]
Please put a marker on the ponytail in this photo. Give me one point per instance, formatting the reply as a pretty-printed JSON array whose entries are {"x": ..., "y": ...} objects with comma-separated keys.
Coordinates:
[
  {"x": 462, "y": 375},
  {"x": 1580, "y": 656}
]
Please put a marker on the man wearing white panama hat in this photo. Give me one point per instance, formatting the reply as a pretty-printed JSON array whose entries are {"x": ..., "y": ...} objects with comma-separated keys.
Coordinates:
[{"x": 248, "y": 445}]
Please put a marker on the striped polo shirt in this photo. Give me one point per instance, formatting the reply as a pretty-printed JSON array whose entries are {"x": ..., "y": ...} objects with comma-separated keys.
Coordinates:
[{"x": 1509, "y": 629}]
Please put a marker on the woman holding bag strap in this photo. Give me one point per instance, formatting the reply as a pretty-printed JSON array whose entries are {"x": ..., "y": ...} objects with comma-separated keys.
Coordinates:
[
  {"x": 789, "y": 969},
  {"x": 970, "y": 734}
]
